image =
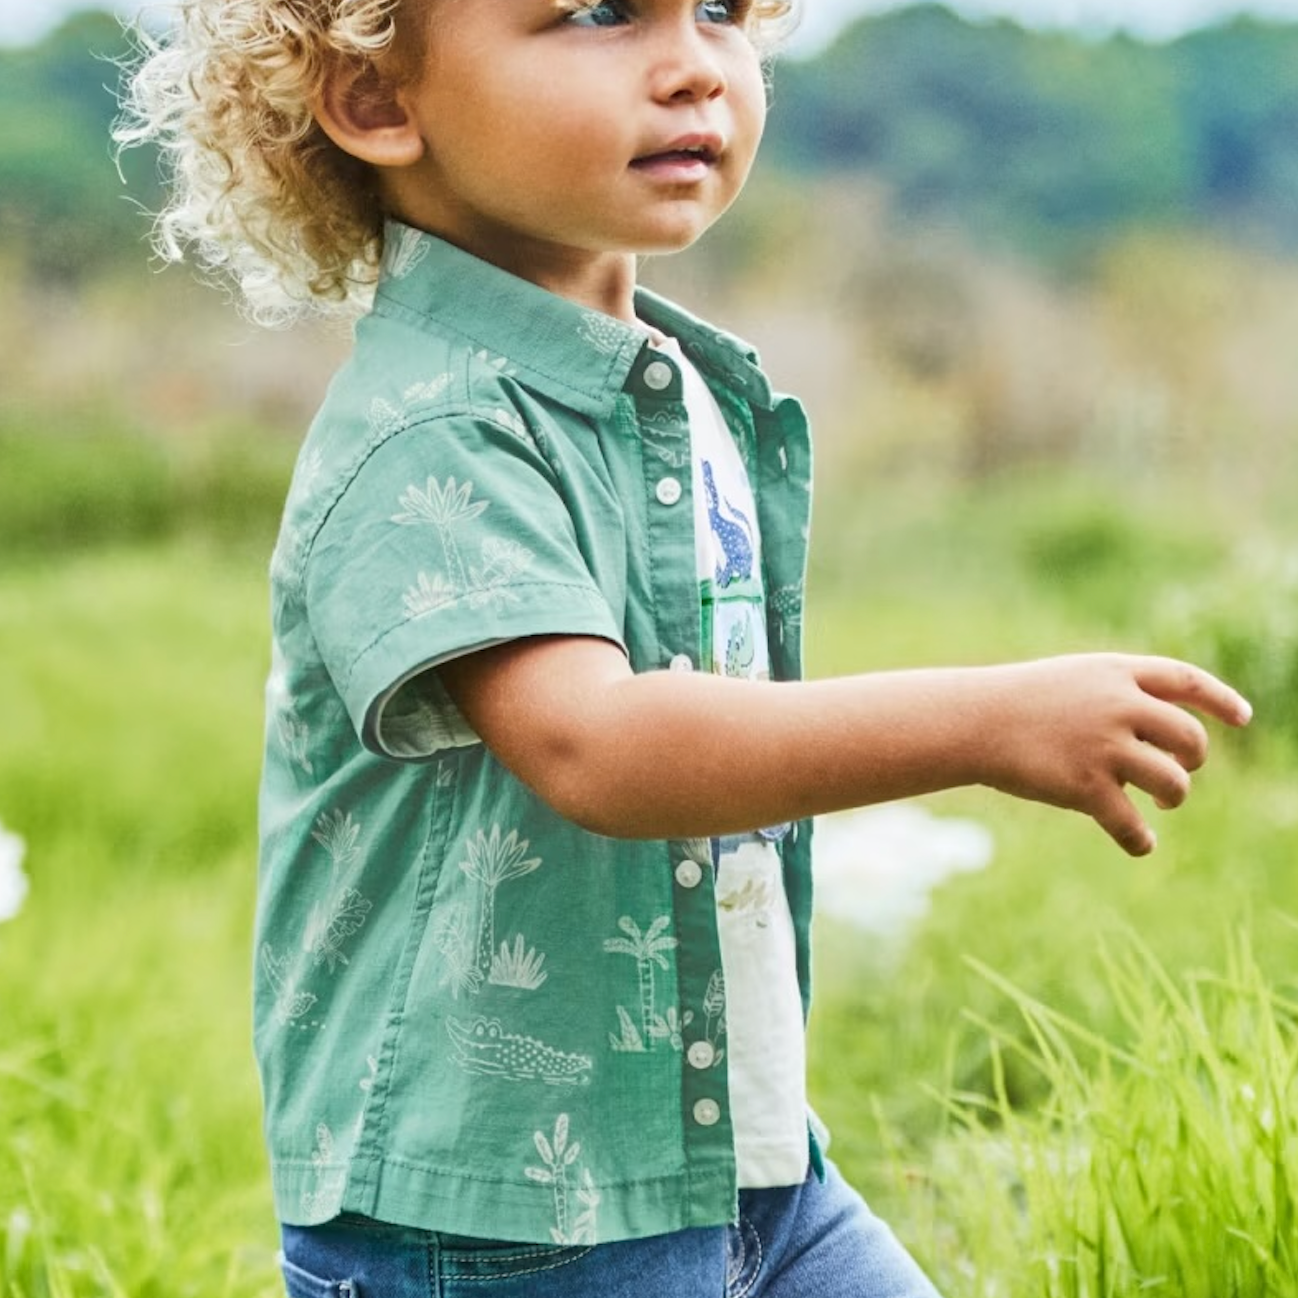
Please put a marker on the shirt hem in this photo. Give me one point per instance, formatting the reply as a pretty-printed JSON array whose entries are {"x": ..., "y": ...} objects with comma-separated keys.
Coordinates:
[{"x": 401, "y": 1194}]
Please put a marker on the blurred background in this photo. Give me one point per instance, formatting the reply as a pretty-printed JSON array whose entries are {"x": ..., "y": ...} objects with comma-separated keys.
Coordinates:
[{"x": 1034, "y": 268}]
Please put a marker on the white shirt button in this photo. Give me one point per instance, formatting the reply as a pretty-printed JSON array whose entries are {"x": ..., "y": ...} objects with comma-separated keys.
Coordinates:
[
  {"x": 658, "y": 375},
  {"x": 668, "y": 491},
  {"x": 682, "y": 663},
  {"x": 701, "y": 1054},
  {"x": 707, "y": 1113},
  {"x": 689, "y": 874}
]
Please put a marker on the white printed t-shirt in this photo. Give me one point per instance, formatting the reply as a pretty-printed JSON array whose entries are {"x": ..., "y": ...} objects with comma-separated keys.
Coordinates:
[{"x": 765, "y": 1036}]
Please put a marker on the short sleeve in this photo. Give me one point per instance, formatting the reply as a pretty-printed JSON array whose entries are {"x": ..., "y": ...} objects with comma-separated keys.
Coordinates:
[{"x": 452, "y": 536}]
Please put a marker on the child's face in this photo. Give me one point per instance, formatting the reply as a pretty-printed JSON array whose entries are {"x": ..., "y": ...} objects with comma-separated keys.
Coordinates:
[{"x": 555, "y": 138}]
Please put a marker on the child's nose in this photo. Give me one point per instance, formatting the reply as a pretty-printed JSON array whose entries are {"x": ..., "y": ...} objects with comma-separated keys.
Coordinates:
[{"x": 689, "y": 66}]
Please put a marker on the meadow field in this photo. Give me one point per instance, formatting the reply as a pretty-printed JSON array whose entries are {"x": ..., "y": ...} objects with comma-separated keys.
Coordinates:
[{"x": 1075, "y": 1078}]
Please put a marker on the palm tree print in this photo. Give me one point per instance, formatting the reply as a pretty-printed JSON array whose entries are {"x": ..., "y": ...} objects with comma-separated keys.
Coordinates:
[
  {"x": 557, "y": 1156},
  {"x": 443, "y": 506},
  {"x": 492, "y": 859},
  {"x": 647, "y": 950}
]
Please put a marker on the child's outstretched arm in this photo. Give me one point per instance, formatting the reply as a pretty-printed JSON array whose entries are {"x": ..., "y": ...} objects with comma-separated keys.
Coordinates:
[{"x": 672, "y": 755}]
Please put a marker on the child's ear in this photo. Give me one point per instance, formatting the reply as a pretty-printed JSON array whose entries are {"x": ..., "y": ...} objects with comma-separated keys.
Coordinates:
[{"x": 365, "y": 113}]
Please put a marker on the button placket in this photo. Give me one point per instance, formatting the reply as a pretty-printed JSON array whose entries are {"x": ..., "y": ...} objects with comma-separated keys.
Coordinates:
[
  {"x": 668, "y": 490},
  {"x": 689, "y": 874},
  {"x": 701, "y": 1054},
  {"x": 658, "y": 376},
  {"x": 707, "y": 1112}
]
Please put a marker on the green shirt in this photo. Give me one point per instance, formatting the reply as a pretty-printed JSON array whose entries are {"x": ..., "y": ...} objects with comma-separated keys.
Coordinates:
[{"x": 471, "y": 1015}]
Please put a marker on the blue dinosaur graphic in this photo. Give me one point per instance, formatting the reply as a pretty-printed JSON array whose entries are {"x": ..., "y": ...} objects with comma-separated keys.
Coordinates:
[{"x": 736, "y": 537}]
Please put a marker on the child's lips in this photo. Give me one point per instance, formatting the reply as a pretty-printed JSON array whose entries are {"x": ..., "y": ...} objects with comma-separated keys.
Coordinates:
[{"x": 687, "y": 158}]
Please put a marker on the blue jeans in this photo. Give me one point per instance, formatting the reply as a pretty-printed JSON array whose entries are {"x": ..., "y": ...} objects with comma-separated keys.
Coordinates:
[{"x": 808, "y": 1241}]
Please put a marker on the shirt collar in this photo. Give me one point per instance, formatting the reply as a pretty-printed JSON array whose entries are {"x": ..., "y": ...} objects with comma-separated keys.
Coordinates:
[{"x": 570, "y": 353}]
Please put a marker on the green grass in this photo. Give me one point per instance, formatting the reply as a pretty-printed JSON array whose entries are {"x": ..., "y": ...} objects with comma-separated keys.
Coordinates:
[
  {"x": 1163, "y": 1158},
  {"x": 130, "y": 692},
  {"x": 131, "y": 1162}
]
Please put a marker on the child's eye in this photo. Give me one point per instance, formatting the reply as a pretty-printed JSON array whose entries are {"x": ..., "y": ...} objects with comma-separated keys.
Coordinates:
[
  {"x": 600, "y": 13},
  {"x": 721, "y": 11}
]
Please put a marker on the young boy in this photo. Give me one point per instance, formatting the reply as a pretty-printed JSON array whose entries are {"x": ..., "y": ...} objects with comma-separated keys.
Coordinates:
[{"x": 532, "y": 954}]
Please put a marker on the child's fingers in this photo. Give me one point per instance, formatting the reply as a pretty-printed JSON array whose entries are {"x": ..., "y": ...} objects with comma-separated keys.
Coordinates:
[
  {"x": 1158, "y": 774},
  {"x": 1184, "y": 684},
  {"x": 1120, "y": 818},
  {"x": 1175, "y": 731}
]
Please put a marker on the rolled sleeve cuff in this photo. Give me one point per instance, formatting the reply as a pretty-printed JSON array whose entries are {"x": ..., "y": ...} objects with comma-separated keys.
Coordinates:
[{"x": 396, "y": 700}]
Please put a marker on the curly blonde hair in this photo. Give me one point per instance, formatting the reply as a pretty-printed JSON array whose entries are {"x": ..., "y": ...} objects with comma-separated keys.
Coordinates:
[{"x": 258, "y": 192}]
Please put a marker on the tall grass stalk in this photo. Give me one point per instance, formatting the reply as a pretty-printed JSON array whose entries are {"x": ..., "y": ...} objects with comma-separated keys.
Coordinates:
[{"x": 1162, "y": 1162}]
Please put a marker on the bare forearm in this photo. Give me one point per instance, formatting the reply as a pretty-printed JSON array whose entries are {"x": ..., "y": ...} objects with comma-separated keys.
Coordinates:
[
  {"x": 666, "y": 755},
  {"x": 677, "y": 757}
]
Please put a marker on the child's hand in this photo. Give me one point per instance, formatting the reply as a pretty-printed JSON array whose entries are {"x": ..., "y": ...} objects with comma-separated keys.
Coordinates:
[{"x": 1074, "y": 731}]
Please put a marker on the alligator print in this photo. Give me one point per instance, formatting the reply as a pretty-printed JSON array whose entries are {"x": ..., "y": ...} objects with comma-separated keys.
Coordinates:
[{"x": 483, "y": 1046}]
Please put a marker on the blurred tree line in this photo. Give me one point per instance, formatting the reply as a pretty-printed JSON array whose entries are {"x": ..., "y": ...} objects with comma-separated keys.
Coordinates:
[
  {"x": 1046, "y": 143},
  {"x": 1054, "y": 143}
]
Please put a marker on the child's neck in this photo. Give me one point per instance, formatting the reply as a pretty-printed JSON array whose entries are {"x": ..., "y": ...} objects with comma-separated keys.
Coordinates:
[
  {"x": 602, "y": 281},
  {"x": 606, "y": 283}
]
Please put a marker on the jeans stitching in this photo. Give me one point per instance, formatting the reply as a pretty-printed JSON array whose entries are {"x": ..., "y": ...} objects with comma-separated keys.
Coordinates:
[
  {"x": 757, "y": 1269},
  {"x": 514, "y": 1275},
  {"x": 542, "y": 1250}
]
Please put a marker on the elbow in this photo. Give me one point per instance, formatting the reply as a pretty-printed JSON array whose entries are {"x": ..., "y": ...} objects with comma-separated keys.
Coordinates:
[
  {"x": 579, "y": 781},
  {"x": 583, "y": 796}
]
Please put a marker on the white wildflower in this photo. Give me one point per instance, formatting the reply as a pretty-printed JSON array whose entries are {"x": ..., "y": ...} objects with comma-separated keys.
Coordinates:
[
  {"x": 875, "y": 867},
  {"x": 13, "y": 882}
]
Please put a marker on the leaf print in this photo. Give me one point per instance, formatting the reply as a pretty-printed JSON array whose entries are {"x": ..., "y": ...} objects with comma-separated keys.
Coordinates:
[
  {"x": 583, "y": 1226},
  {"x": 294, "y": 737},
  {"x": 403, "y": 253},
  {"x": 339, "y": 835},
  {"x": 671, "y": 1026},
  {"x": 502, "y": 561},
  {"x": 428, "y": 391},
  {"x": 498, "y": 363},
  {"x": 630, "y": 1041},
  {"x": 428, "y": 594},
  {"x": 290, "y": 1004},
  {"x": 602, "y": 332},
  {"x": 512, "y": 422},
  {"x": 367, "y": 1082},
  {"x": 493, "y": 860},
  {"x": 384, "y": 417},
  {"x": 324, "y": 1147},
  {"x": 453, "y": 938},
  {"x": 754, "y": 896},
  {"x": 330, "y": 926},
  {"x": 714, "y": 1008},
  {"x": 698, "y": 850},
  {"x": 714, "y": 999},
  {"x": 517, "y": 968},
  {"x": 323, "y": 1200}
]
